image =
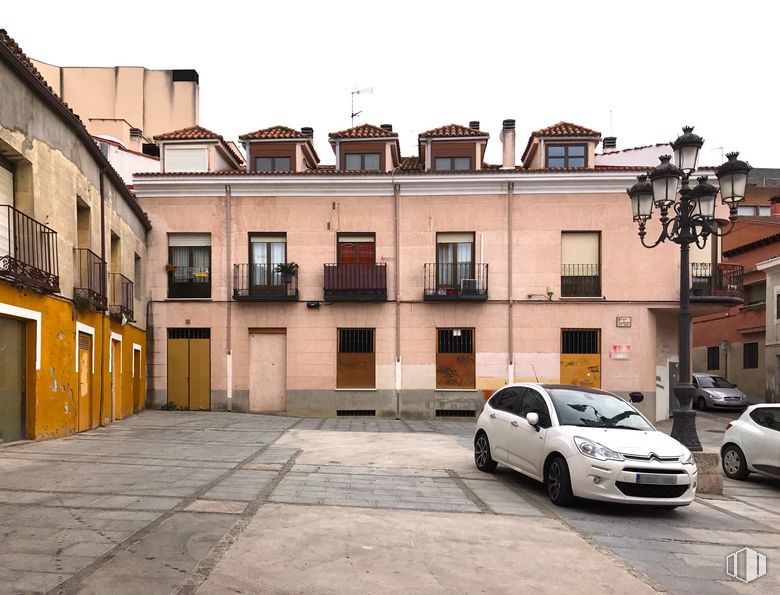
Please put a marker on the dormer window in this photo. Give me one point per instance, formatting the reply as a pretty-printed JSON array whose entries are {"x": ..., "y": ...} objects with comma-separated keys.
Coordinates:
[
  {"x": 452, "y": 163},
  {"x": 273, "y": 164},
  {"x": 363, "y": 161},
  {"x": 186, "y": 159},
  {"x": 196, "y": 149},
  {"x": 566, "y": 156}
]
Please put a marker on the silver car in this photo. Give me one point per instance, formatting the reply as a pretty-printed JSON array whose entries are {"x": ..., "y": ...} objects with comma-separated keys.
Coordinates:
[{"x": 715, "y": 392}]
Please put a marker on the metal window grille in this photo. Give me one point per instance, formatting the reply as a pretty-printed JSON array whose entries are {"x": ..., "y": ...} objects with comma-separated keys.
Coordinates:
[
  {"x": 189, "y": 333},
  {"x": 355, "y": 412},
  {"x": 356, "y": 340},
  {"x": 580, "y": 341},
  {"x": 456, "y": 340},
  {"x": 713, "y": 358}
]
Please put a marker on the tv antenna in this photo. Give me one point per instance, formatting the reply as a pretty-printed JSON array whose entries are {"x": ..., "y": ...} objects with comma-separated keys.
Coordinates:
[{"x": 354, "y": 113}]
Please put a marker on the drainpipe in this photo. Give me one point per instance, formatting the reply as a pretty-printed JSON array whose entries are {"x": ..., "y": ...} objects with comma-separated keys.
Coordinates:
[
  {"x": 103, "y": 288},
  {"x": 510, "y": 368},
  {"x": 229, "y": 286},
  {"x": 398, "y": 369}
]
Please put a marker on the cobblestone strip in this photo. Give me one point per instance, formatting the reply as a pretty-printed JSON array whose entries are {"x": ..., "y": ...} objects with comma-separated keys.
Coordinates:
[
  {"x": 210, "y": 561},
  {"x": 476, "y": 500},
  {"x": 74, "y": 583}
]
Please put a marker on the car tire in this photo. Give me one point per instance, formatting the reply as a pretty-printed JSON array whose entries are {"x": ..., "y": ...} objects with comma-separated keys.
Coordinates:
[
  {"x": 734, "y": 463},
  {"x": 482, "y": 458},
  {"x": 701, "y": 404},
  {"x": 557, "y": 480}
]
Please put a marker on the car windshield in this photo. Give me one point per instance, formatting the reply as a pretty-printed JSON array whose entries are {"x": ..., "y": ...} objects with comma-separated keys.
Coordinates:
[
  {"x": 597, "y": 410},
  {"x": 713, "y": 382}
]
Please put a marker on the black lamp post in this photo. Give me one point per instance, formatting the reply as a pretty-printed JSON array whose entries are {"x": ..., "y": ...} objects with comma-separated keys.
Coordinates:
[{"x": 687, "y": 216}]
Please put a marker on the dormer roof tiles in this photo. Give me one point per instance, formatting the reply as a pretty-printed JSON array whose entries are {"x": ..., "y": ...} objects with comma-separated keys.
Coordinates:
[
  {"x": 363, "y": 131},
  {"x": 274, "y": 133},
  {"x": 452, "y": 130},
  {"x": 190, "y": 133},
  {"x": 565, "y": 129}
]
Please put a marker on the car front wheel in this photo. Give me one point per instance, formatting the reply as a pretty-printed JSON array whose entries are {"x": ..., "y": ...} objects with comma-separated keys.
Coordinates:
[
  {"x": 558, "y": 482},
  {"x": 701, "y": 404},
  {"x": 482, "y": 457},
  {"x": 734, "y": 463}
]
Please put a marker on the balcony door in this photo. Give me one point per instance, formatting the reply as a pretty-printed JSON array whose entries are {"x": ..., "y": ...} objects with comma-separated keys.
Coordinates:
[
  {"x": 356, "y": 249},
  {"x": 454, "y": 261},
  {"x": 190, "y": 255},
  {"x": 265, "y": 253},
  {"x": 6, "y": 200},
  {"x": 580, "y": 264}
]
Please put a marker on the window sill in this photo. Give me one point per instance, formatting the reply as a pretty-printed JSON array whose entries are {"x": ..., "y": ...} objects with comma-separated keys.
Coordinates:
[
  {"x": 571, "y": 298},
  {"x": 365, "y": 390}
]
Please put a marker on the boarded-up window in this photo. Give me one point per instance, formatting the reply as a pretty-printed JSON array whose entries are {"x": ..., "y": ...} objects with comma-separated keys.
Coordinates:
[
  {"x": 581, "y": 357},
  {"x": 356, "y": 360},
  {"x": 455, "y": 362},
  {"x": 186, "y": 159}
]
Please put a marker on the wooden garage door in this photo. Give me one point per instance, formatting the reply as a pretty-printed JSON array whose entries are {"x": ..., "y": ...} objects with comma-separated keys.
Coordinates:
[
  {"x": 581, "y": 357},
  {"x": 356, "y": 360},
  {"x": 455, "y": 361},
  {"x": 189, "y": 368},
  {"x": 12, "y": 379}
]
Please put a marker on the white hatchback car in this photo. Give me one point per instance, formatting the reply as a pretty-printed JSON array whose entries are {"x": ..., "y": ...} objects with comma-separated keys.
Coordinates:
[
  {"x": 583, "y": 442},
  {"x": 752, "y": 443}
]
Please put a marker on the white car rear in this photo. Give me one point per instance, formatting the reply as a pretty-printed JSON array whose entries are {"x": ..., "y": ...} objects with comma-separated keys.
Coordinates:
[
  {"x": 752, "y": 443},
  {"x": 583, "y": 443}
]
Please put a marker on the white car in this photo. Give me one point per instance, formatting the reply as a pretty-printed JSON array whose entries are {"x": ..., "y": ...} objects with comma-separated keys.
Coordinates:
[
  {"x": 584, "y": 443},
  {"x": 752, "y": 443}
]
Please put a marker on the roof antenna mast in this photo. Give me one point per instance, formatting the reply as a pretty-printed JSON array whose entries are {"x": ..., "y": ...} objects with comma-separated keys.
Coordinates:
[{"x": 354, "y": 113}]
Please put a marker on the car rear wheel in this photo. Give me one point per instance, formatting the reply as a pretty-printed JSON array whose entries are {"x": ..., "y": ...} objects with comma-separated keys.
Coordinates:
[
  {"x": 558, "y": 482},
  {"x": 734, "y": 463},
  {"x": 701, "y": 404},
  {"x": 482, "y": 458}
]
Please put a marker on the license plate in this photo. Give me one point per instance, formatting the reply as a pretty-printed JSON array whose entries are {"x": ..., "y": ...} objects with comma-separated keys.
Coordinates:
[{"x": 656, "y": 478}]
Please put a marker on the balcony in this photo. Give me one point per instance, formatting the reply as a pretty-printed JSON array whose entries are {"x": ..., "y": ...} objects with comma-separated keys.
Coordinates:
[
  {"x": 189, "y": 282},
  {"x": 90, "y": 281},
  {"x": 455, "y": 281},
  {"x": 580, "y": 280},
  {"x": 719, "y": 284},
  {"x": 260, "y": 283},
  {"x": 28, "y": 251},
  {"x": 120, "y": 304},
  {"x": 355, "y": 282}
]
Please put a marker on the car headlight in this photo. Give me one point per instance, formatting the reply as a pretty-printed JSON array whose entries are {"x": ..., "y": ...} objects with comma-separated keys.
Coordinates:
[
  {"x": 686, "y": 458},
  {"x": 717, "y": 396},
  {"x": 594, "y": 450}
]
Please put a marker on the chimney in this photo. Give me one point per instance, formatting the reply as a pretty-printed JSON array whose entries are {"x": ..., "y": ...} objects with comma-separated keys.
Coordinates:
[
  {"x": 308, "y": 132},
  {"x": 609, "y": 143},
  {"x": 388, "y": 127},
  {"x": 474, "y": 124},
  {"x": 775, "y": 202},
  {"x": 508, "y": 139}
]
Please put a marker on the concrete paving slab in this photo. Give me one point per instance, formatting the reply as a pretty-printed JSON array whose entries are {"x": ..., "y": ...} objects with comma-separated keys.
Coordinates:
[
  {"x": 287, "y": 549},
  {"x": 219, "y": 506}
]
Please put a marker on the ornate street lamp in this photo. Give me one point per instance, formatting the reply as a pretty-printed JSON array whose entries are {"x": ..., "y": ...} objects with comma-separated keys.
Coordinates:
[{"x": 687, "y": 216}]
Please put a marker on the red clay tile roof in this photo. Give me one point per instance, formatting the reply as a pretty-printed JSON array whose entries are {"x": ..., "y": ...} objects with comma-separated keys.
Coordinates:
[
  {"x": 452, "y": 130},
  {"x": 274, "y": 132},
  {"x": 565, "y": 129},
  {"x": 191, "y": 133},
  {"x": 9, "y": 43},
  {"x": 364, "y": 131}
]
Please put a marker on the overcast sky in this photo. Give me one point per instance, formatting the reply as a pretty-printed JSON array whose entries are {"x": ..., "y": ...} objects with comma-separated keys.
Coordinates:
[{"x": 655, "y": 65}]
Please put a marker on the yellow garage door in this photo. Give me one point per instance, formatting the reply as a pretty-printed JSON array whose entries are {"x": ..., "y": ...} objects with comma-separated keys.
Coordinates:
[
  {"x": 581, "y": 357},
  {"x": 189, "y": 368}
]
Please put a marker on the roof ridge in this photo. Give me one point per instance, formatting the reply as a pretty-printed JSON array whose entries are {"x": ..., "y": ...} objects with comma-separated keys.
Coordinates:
[{"x": 170, "y": 135}]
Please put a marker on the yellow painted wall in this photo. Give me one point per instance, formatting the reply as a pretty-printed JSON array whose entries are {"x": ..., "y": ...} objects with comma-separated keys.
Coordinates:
[{"x": 52, "y": 391}]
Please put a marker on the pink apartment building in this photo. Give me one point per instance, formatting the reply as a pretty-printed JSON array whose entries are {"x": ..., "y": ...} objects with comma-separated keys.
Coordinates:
[{"x": 421, "y": 282}]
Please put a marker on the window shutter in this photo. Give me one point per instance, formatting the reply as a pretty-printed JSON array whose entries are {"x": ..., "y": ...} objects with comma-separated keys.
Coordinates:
[
  {"x": 580, "y": 248},
  {"x": 454, "y": 238},
  {"x": 186, "y": 159},
  {"x": 189, "y": 239}
]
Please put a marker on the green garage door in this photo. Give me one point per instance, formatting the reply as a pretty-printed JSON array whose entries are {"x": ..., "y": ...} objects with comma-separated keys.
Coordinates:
[{"x": 12, "y": 381}]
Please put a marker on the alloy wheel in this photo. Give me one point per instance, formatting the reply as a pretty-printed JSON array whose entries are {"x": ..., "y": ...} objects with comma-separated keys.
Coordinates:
[
  {"x": 732, "y": 462},
  {"x": 481, "y": 451},
  {"x": 554, "y": 481}
]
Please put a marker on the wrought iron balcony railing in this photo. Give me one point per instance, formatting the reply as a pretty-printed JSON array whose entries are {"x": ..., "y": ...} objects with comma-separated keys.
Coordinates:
[
  {"x": 356, "y": 282},
  {"x": 455, "y": 281},
  {"x": 28, "y": 251},
  {"x": 724, "y": 280},
  {"x": 261, "y": 283},
  {"x": 580, "y": 280},
  {"x": 90, "y": 281},
  {"x": 189, "y": 282},
  {"x": 120, "y": 296}
]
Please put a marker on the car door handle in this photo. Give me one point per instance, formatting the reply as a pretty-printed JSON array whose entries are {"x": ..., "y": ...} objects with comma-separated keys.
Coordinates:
[
  {"x": 514, "y": 423},
  {"x": 492, "y": 416}
]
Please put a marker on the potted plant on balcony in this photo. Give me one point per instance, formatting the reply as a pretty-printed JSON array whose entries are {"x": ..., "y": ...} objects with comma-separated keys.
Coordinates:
[
  {"x": 169, "y": 268},
  {"x": 287, "y": 270}
]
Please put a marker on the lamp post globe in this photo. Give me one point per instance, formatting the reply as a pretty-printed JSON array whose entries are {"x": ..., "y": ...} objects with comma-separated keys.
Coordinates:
[{"x": 732, "y": 177}]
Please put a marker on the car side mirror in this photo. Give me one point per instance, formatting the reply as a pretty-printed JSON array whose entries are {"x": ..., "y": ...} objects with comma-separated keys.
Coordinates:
[
  {"x": 533, "y": 419},
  {"x": 636, "y": 397}
]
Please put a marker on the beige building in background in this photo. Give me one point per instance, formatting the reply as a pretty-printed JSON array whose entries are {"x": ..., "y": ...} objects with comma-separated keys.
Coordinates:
[{"x": 132, "y": 104}]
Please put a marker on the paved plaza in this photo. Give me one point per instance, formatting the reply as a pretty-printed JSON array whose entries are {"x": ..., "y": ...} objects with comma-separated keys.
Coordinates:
[{"x": 184, "y": 502}]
